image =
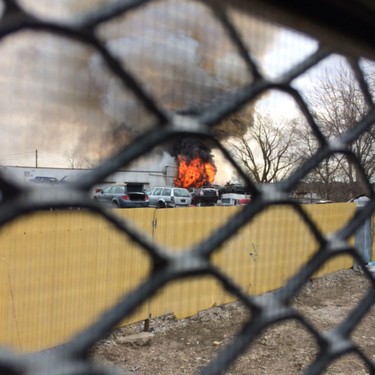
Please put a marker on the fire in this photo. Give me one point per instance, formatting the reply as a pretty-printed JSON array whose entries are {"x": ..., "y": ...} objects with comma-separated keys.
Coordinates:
[{"x": 194, "y": 173}]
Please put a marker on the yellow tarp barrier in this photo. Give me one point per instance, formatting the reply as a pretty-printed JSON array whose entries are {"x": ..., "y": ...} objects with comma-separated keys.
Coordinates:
[{"x": 60, "y": 270}]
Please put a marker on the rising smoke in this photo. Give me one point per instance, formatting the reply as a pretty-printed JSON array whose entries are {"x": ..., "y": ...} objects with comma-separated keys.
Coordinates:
[{"x": 61, "y": 96}]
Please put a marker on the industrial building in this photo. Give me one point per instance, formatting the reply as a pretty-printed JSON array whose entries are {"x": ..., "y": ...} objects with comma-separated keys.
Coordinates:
[{"x": 26, "y": 175}]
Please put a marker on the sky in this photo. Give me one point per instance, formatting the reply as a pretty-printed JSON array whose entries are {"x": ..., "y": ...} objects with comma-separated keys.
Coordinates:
[
  {"x": 61, "y": 100},
  {"x": 289, "y": 48}
]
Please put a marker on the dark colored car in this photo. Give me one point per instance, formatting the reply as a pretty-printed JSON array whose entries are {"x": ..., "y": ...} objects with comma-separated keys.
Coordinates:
[
  {"x": 235, "y": 189},
  {"x": 122, "y": 196},
  {"x": 206, "y": 196}
]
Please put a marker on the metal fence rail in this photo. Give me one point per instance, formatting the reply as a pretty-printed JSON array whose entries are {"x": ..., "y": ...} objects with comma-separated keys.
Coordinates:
[{"x": 72, "y": 358}]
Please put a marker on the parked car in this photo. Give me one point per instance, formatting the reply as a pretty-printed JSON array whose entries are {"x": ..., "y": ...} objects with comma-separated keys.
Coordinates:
[
  {"x": 234, "y": 189},
  {"x": 162, "y": 197},
  {"x": 122, "y": 196},
  {"x": 233, "y": 199},
  {"x": 206, "y": 196}
]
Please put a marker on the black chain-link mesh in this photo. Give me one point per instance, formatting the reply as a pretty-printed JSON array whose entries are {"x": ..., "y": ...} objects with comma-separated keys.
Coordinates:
[{"x": 72, "y": 358}]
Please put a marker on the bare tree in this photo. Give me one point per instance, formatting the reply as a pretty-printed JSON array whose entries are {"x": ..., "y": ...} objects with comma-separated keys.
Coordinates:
[
  {"x": 265, "y": 150},
  {"x": 73, "y": 159},
  {"x": 338, "y": 104},
  {"x": 321, "y": 180},
  {"x": 77, "y": 160}
]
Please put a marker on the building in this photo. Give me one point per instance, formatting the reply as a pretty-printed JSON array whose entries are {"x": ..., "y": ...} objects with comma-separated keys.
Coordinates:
[{"x": 26, "y": 175}]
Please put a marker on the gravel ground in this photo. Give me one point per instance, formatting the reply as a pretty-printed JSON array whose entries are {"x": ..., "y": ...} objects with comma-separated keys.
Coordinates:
[{"x": 186, "y": 346}]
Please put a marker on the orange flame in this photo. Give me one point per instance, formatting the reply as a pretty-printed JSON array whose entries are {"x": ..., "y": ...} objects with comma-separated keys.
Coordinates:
[{"x": 195, "y": 173}]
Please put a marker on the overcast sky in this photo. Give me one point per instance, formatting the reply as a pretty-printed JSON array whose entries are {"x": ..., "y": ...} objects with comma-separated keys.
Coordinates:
[{"x": 60, "y": 99}]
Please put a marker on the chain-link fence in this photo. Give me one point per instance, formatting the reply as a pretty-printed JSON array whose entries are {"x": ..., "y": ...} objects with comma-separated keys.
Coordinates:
[{"x": 347, "y": 29}]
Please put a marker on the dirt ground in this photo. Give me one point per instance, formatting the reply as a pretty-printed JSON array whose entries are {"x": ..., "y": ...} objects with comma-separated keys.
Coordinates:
[{"x": 186, "y": 346}]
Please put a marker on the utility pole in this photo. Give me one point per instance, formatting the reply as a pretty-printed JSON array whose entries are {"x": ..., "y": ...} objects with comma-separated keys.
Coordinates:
[{"x": 36, "y": 158}]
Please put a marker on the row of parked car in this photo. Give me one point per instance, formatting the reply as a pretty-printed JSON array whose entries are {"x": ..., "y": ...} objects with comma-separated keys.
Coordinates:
[{"x": 133, "y": 196}]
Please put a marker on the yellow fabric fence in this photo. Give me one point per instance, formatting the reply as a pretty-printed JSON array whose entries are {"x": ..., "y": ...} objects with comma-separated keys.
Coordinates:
[{"x": 60, "y": 269}]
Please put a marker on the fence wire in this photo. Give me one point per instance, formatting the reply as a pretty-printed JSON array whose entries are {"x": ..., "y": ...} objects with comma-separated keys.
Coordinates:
[{"x": 356, "y": 41}]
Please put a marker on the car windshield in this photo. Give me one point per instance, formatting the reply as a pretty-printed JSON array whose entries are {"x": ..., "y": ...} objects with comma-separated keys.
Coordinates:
[
  {"x": 157, "y": 191},
  {"x": 181, "y": 193}
]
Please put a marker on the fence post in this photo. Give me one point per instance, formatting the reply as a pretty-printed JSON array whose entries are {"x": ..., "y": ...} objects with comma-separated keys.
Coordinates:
[{"x": 363, "y": 236}]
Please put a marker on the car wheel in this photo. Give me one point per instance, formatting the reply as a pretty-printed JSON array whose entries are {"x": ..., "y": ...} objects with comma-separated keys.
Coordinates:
[
  {"x": 115, "y": 204},
  {"x": 161, "y": 205}
]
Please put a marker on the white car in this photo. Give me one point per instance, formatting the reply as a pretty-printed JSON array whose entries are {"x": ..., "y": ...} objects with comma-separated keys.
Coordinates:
[{"x": 232, "y": 199}]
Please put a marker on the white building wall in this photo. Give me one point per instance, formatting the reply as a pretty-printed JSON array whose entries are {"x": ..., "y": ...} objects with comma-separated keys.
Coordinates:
[{"x": 23, "y": 175}]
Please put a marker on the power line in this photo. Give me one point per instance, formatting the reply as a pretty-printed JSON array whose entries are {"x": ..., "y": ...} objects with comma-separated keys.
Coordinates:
[{"x": 33, "y": 158}]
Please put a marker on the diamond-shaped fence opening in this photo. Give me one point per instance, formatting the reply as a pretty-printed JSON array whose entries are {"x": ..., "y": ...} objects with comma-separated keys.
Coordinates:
[
  {"x": 105, "y": 84},
  {"x": 328, "y": 306},
  {"x": 281, "y": 336},
  {"x": 349, "y": 360},
  {"x": 361, "y": 332}
]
